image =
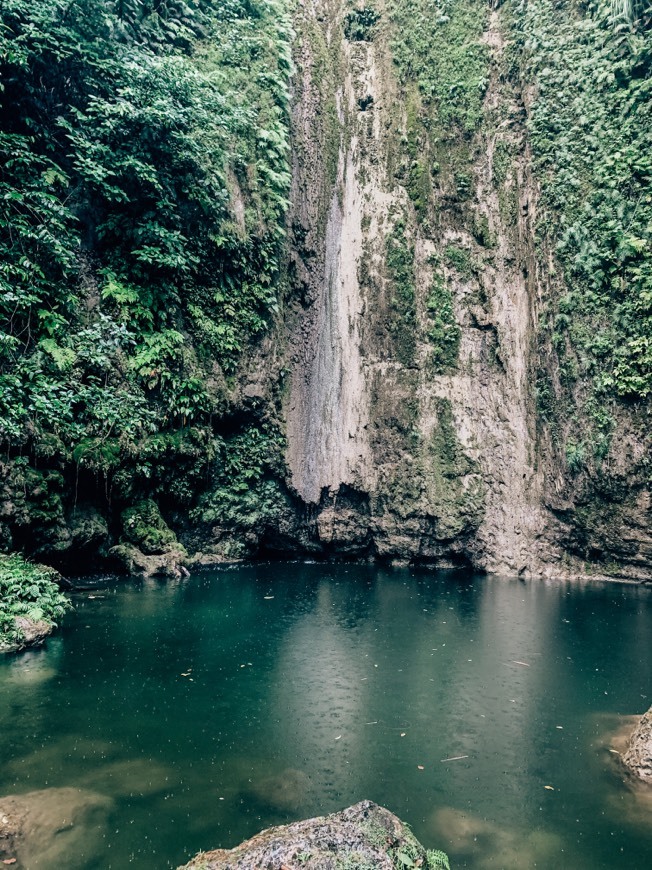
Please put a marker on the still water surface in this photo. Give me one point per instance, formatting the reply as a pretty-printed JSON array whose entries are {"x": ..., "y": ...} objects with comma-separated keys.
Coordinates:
[{"x": 208, "y": 709}]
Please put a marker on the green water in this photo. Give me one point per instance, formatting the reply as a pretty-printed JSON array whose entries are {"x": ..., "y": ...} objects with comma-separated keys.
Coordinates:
[{"x": 310, "y": 687}]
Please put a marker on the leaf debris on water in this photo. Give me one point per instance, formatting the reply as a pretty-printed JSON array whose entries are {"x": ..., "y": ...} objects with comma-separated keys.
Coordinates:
[
  {"x": 339, "y": 737},
  {"x": 549, "y": 787},
  {"x": 454, "y": 758},
  {"x": 420, "y": 767}
]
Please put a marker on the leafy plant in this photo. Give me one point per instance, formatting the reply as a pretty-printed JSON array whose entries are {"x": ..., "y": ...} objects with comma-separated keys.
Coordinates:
[
  {"x": 437, "y": 860},
  {"x": 30, "y": 591}
]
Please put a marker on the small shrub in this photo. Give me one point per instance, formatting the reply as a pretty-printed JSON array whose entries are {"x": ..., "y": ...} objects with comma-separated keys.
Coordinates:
[
  {"x": 437, "y": 860},
  {"x": 359, "y": 24},
  {"x": 575, "y": 457}
]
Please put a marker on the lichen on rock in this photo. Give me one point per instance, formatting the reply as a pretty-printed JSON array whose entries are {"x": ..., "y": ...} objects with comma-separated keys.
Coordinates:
[
  {"x": 362, "y": 837},
  {"x": 638, "y": 758}
]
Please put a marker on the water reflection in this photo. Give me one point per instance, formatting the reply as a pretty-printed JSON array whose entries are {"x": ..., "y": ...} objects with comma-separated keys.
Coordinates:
[{"x": 204, "y": 710}]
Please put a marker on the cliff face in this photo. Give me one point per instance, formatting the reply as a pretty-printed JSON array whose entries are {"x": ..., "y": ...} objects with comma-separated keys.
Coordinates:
[
  {"x": 414, "y": 426},
  {"x": 439, "y": 351},
  {"x": 410, "y": 414}
]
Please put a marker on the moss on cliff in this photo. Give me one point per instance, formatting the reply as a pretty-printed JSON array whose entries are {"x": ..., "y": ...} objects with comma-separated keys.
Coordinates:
[
  {"x": 590, "y": 125},
  {"x": 399, "y": 252}
]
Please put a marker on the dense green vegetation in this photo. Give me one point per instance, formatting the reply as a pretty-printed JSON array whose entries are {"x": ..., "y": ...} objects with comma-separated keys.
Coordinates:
[
  {"x": 437, "y": 45},
  {"x": 442, "y": 66},
  {"x": 590, "y": 129},
  {"x": 28, "y": 591},
  {"x": 143, "y": 179},
  {"x": 245, "y": 495}
]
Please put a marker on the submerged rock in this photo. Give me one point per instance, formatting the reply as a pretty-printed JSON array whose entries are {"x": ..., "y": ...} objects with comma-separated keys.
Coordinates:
[
  {"x": 638, "y": 758},
  {"x": 476, "y": 842},
  {"x": 53, "y": 827},
  {"x": 284, "y": 792},
  {"x": 362, "y": 836}
]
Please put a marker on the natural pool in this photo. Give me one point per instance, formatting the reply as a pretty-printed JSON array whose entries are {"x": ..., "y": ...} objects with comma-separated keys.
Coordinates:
[{"x": 204, "y": 710}]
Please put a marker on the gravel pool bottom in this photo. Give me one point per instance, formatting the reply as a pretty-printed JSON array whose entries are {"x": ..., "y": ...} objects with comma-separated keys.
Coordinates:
[{"x": 195, "y": 713}]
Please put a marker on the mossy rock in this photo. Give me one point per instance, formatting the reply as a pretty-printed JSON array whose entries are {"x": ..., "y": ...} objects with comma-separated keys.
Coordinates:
[
  {"x": 88, "y": 528},
  {"x": 131, "y": 560},
  {"x": 144, "y": 527},
  {"x": 148, "y": 545},
  {"x": 362, "y": 837}
]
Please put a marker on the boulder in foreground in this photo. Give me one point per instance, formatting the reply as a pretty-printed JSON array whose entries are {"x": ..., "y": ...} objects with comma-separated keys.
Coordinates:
[
  {"x": 363, "y": 836},
  {"x": 638, "y": 758}
]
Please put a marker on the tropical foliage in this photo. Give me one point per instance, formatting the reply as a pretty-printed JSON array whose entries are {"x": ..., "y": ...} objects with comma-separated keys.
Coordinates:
[
  {"x": 591, "y": 125},
  {"x": 28, "y": 591},
  {"x": 143, "y": 188}
]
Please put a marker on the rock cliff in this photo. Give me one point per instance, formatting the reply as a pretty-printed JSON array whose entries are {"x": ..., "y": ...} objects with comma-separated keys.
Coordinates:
[{"x": 415, "y": 429}]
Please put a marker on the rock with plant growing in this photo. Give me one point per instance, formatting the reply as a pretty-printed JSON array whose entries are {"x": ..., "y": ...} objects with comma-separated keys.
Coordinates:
[
  {"x": 362, "y": 837},
  {"x": 31, "y": 603}
]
